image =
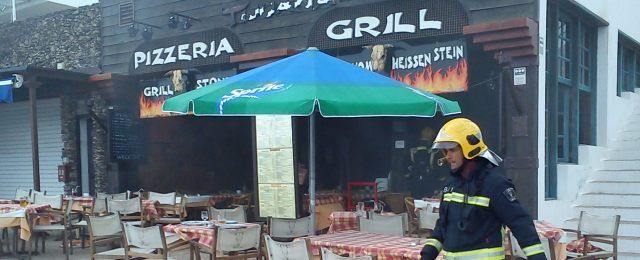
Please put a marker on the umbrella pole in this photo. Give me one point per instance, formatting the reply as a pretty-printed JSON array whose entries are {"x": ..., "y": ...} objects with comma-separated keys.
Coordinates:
[{"x": 312, "y": 172}]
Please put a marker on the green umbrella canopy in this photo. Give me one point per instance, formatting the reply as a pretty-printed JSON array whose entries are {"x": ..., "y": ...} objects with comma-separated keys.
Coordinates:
[{"x": 295, "y": 85}]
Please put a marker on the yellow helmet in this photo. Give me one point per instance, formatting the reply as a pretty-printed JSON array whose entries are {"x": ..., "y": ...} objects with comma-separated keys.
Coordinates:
[{"x": 466, "y": 133}]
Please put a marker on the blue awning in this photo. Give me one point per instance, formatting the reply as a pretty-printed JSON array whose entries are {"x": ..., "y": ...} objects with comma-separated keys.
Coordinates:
[{"x": 6, "y": 88}]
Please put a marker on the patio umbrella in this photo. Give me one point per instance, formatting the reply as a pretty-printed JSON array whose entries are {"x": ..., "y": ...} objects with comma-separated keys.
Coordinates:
[{"x": 300, "y": 84}]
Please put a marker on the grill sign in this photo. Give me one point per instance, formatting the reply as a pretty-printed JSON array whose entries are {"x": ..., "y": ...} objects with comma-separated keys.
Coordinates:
[{"x": 387, "y": 21}]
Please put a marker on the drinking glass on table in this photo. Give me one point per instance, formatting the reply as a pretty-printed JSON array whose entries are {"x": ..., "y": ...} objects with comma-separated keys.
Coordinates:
[{"x": 204, "y": 215}]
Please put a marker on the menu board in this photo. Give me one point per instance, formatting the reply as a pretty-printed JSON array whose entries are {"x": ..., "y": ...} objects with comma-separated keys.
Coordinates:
[
  {"x": 276, "y": 182},
  {"x": 124, "y": 134}
]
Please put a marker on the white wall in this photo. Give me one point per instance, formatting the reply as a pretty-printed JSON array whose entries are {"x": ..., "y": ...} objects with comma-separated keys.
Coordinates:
[{"x": 622, "y": 15}]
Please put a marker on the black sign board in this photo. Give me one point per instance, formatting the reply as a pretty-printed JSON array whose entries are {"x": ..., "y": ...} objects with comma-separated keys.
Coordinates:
[
  {"x": 185, "y": 51},
  {"x": 387, "y": 21},
  {"x": 125, "y": 136}
]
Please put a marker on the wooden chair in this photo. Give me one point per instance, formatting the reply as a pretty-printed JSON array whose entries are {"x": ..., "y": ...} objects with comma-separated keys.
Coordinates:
[
  {"x": 427, "y": 218},
  {"x": 34, "y": 193},
  {"x": 177, "y": 215},
  {"x": 145, "y": 239},
  {"x": 404, "y": 216},
  {"x": 326, "y": 254},
  {"x": 130, "y": 210},
  {"x": 22, "y": 193},
  {"x": 237, "y": 214},
  {"x": 601, "y": 229},
  {"x": 234, "y": 243},
  {"x": 297, "y": 249},
  {"x": 100, "y": 205},
  {"x": 288, "y": 228},
  {"x": 395, "y": 201},
  {"x": 116, "y": 196},
  {"x": 105, "y": 230},
  {"x": 163, "y": 198},
  {"x": 411, "y": 215},
  {"x": 63, "y": 225},
  {"x": 388, "y": 226}
]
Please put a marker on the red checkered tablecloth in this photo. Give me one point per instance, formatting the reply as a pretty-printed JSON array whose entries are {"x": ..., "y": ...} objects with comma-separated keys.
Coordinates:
[
  {"x": 150, "y": 210},
  {"x": 6, "y": 208},
  {"x": 3, "y": 201},
  {"x": 386, "y": 247},
  {"x": 204, "y": 235},
  {"x": 549, "y": 231},
  {"x": 345, "y": 220},
  {"x": 79, "y": 203}
]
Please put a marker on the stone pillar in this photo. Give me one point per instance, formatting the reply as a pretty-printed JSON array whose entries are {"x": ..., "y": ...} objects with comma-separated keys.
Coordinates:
[
  {"x": 99, "y": 141},
  {"x": 70, "y": 139}
]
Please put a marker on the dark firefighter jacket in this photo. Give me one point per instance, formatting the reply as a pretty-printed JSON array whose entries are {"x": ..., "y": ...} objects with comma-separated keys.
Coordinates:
[{"x": 472, "y": 214}]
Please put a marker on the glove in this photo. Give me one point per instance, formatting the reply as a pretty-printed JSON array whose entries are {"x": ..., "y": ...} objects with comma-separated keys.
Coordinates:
[{"x": 428, "y": 253}]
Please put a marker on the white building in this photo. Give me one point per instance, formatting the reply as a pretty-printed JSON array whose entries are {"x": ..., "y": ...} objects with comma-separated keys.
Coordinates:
[{"x": 588, "y": 76}]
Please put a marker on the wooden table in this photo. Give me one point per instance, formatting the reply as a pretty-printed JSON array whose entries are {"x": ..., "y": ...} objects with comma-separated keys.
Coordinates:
[
  {"x": 13, "y": 215},
  {"x": 346, "y": 220},
  {"x": 386, "y": 247},
  {"x": 205, "y": 235}
]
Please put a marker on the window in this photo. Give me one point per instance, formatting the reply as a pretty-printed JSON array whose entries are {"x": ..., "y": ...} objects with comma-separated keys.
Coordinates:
[
  {"x": 628, "y": 64},
  {"x": 570, "y": 86}
]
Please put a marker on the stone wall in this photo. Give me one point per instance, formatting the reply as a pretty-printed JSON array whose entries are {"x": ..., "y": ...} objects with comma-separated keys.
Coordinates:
[{"x": 71, "y": 37}]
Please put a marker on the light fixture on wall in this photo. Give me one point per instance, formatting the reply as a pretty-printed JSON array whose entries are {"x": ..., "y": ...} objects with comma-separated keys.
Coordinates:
[
  {"x": 174, "y": 20},
  {"x": 147, "y": 32}
]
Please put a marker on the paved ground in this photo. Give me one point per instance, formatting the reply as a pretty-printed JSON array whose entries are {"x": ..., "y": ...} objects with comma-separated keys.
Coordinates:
[{"x": 54, "y": 252}]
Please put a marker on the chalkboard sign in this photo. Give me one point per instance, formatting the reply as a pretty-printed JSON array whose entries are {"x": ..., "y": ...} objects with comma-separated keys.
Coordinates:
[{"x": 125, "y": 136}]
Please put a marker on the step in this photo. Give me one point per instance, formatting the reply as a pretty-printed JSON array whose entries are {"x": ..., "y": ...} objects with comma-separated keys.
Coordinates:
[
  {"x": 609, "y": 199},
  {"x": 627, "y": 227},
  {"x": 608, "y": 175},
  {"x": 628, "y": 134},
  {"x": 619, "y": 165},
  {"x": 627, "y": 213},
  {"x": 623, "y": 154},
  {"x": 612, "y": 186},
  {"x": 628, "y": 256},
  {"x": 625, "y": 142}
]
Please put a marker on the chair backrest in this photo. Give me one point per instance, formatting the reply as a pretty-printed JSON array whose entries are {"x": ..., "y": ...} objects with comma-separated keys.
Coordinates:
[
  {"x": 404, "y": 216},
  {"x": 599, "y": 225},
  {"x": 22, "y": 193},
  {"x": 395, "y": 201},
  {"x": 34, "y": 193},
  {"x": 163, "y": 198},
  {"x": 387, "y": 226},
  {"x": 104, "y": 226},
  {"x": 117, "y": 196},
  {"x": 124, "y": 207},
  {"x": 295, "y": 250},
  {"x": 238, "y": 239},
  {"x": 289, "y": 228},
  {"x": 427, "y": 218},
  {"x": 516, "y": 249},
  {"x": 100, "y": 205},
  {"x": 54, "y": 200},
  {"x": 237, "y": 214},
  {"x": 326, "y": 254},
  {"x": 144, "y": 238}
]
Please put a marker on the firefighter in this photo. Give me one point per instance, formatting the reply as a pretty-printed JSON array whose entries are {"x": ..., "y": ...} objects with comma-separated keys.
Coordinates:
[{"x": 477, "y": 201}]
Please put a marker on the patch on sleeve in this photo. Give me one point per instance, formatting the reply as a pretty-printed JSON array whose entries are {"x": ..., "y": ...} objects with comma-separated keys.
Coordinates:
[{"x": 510, "y": 193}]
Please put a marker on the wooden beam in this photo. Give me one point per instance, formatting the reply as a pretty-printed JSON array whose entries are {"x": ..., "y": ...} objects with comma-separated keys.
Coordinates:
[
  {"x": 283, "y": 52},
  {"x": 502, "y": 35},
  {"x": 32, "y": 84},
  {"x": 508, "y": 44},
  {"x": 498, "y": 26}
]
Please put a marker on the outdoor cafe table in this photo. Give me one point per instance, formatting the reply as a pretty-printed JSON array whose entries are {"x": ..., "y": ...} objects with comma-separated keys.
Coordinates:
[
  {"x": 345, "y": 220},
  {"x": 150, "y": 210},
  {"x": 79, "y": 203},
  {"x": 3, "y": 201},
  {"x": 386, "y": 247},
  {"x": 205, "y": 235},
  {"x": 13, "y": 215}
]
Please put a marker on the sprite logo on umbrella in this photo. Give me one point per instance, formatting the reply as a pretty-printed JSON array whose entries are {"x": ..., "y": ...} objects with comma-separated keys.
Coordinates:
[{"x": 268, "y": 88}]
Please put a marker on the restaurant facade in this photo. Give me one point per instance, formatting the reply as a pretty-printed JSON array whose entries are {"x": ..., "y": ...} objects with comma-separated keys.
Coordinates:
[{"x": 450, "y": 48}]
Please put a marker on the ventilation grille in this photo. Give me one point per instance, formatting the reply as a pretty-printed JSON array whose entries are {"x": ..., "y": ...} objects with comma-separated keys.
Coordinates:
[{"x": 126, "y": 14}]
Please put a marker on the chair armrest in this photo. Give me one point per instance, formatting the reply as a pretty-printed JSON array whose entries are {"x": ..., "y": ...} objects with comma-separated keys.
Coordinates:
[{"x": 599, "y": 238}]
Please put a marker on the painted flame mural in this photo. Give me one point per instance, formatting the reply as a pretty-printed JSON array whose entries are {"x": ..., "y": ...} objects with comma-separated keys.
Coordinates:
[
  {"x": 444, "y": 80},
  {"x": 151, "y": 107}
]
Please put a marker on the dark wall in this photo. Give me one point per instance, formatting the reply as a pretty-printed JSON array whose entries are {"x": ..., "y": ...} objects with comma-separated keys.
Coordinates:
[{"x": 286, "y": 30}]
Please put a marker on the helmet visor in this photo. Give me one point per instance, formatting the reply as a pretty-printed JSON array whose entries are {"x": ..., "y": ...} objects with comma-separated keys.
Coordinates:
[{"x": 443, "y": 145}]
